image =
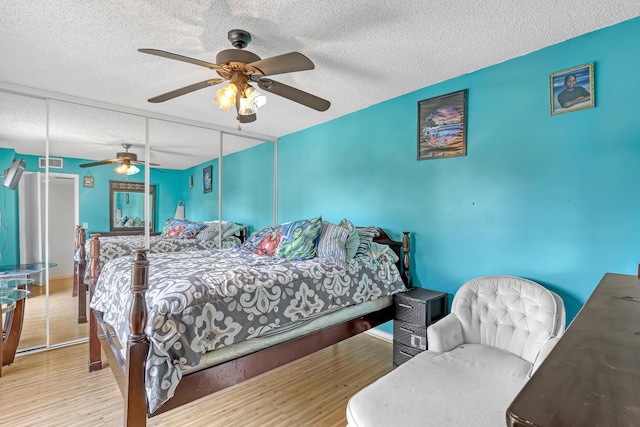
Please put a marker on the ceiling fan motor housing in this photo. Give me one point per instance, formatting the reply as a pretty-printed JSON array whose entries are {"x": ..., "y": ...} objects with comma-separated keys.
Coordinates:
[
  {"x": 239, "y": 38},
  {"x": 127, "y": 155}
]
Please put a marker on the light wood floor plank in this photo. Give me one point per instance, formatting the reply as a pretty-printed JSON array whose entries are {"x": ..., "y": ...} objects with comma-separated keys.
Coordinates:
[{"x": 54, "y": 388}]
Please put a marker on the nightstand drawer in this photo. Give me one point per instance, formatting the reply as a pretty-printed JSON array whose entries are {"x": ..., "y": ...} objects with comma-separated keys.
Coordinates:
[
  {"x": 402, "y": 353},
  {"x": 420, "y": 306},
  {"x": 410, "y": 335}
]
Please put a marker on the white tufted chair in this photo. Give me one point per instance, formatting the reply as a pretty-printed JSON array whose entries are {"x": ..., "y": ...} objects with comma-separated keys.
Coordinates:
[
  {"x": 479, "y": 357},
  {"x": 506, "y": 312}
]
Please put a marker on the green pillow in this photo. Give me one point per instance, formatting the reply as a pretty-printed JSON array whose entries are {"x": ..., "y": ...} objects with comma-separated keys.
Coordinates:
[
  {"x": 353, "y": 239},
  {"x": 299, "y": 239}
]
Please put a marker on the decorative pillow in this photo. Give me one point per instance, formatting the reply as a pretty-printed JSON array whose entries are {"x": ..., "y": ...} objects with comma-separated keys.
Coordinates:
[
  {"x": 254, "y": 240},
  {"x": 210, "y": 232},
  {"x": 377, "y": 250},
  {"x": 366, "y": 236},
  {"x": 269, "y": 242},
  {"x": 332, "y": 243},
  {"x": 353, "y": 240},
  {"x": 166, "y": 226},
  {"x": 299, "y": 239},
  {"x": 183, "y": 229}
]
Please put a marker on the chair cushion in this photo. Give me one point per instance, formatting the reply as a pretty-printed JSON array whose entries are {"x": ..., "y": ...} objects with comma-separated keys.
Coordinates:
[
  {"x": 473, "y": 384},
  {"x": 506, "y": 312}
]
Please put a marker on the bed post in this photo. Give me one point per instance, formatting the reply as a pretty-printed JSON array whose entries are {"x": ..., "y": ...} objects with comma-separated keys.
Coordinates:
[
  {"x": 76, "y": 246},
  {"x": 135, "y": 412},
  {"x": 406, "y": 261},
  {"x": 95, "y": 362},
  {"x": 78, "y": 280}
]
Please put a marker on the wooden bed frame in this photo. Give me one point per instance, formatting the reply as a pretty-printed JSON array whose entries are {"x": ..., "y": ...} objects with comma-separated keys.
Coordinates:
[
  {"x": 79, "y": 267},
  {"x": 130, "y": 373}
]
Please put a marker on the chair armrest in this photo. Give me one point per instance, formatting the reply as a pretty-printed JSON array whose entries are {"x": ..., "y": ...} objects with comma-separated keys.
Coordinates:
[
  {"x": 445, "y": 334},
  {"x": 543, "y": 353}
]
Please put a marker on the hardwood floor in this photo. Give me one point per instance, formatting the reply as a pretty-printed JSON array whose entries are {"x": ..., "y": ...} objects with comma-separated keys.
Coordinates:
[
  {"x": 54, "y": 388},
  {"x": 63, "y": 313}
]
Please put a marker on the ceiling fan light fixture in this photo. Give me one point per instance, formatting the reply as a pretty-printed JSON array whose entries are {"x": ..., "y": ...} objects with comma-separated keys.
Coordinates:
[
  {"x": 226, "y": 97},
  {"x": 251, "y": 101},
  {"x": 126, "y": 169}
]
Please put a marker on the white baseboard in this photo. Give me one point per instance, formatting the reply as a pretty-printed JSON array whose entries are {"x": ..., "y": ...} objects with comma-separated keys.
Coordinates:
[{"x": 385, "y": 336}]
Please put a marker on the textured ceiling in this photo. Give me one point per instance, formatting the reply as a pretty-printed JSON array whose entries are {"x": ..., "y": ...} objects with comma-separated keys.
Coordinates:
[{"x": 365, "y": 52}]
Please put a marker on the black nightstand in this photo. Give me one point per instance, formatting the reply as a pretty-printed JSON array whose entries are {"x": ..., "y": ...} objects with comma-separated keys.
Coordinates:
[{"x": 415, "y": 310}]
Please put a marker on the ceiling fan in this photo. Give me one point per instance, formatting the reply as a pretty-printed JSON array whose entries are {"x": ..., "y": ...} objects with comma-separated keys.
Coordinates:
[
  {"x": 126, "y": 159},
  {"x": 240, "y": 68}
]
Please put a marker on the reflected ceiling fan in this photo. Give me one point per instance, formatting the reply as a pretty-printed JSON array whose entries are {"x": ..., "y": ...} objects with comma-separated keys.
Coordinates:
[
  {"x": 241, "y": 68},
  {"x": 126, "y": 159}
]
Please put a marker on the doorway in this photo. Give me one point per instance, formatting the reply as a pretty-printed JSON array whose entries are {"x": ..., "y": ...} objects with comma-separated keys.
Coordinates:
[{"x": 51, "y": 310}]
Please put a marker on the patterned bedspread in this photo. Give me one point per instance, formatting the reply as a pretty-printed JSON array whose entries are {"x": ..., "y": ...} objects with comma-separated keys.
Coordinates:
[
  {"x": 112, "y": 247},
  {"x": 199, "y": 301}
]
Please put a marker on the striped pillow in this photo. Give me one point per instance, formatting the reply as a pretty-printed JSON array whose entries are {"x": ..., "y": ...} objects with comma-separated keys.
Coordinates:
[
  {"x": 332, "y": 243},
  {"x": 366, "y": 236}
]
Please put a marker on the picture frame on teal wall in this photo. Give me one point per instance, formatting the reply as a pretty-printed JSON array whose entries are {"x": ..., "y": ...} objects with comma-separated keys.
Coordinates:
[
  {"x": 442, "y": 126},
  {"x": 572, "y": 89},
  {"x": 207, "y": 179}
]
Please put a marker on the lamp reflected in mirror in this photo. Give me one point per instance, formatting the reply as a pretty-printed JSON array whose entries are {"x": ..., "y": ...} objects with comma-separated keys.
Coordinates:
[{"x": 179, "y": 210}]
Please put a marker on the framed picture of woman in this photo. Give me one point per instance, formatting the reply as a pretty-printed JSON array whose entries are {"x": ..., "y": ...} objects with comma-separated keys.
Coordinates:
[{"x": 572, "y": 89}]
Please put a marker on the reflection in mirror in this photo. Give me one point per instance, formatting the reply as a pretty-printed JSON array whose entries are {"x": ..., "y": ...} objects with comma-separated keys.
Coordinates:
[
  {"x": 126, "y": 206},
  {"x": 81, "y": 134},
  {"x": 184, "y": 152},
  {"x": 23, "y": 133},
  {"x": 240, "y": 189}
]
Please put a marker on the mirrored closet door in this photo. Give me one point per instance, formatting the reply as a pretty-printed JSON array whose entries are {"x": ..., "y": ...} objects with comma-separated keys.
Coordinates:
[{"x": 196, "y": 171}]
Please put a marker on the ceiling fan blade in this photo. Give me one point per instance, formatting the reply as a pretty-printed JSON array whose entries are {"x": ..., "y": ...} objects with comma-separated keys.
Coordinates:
[
  {"x": 141, "y": 162},
  {"x": 184, "y": 90},
  {"x": 286, "y": 63},
  {"x": 101, "y": 162},
  {"x": 180, "y": 58},
  {"x": 294, "y": 94}
]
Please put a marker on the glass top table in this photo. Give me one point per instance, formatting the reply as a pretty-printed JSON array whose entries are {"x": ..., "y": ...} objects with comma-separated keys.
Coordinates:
[
  {"x": 12, "y": 290},
  {"x": 24, "y": 269}
]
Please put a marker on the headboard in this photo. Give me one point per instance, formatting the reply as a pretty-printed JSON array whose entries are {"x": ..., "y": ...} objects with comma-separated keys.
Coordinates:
[{"x": 402, "y": 250}]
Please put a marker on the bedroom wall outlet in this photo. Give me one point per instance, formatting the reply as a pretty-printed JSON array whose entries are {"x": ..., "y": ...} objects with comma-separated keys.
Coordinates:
[{"x": 85, "y": 225}]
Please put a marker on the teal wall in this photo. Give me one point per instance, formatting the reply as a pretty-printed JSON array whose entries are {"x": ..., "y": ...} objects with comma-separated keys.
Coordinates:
[
  {"x": 9, "y": 225},
  {"x": 247, "y": 186},
  {"x": 550, "y": 198}
]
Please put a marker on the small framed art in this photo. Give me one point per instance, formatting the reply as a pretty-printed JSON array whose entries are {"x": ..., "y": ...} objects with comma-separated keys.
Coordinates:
[
  {"x": 442, "y": 126},
  {"x": 572, "y": 89},
  {"x": 207, "y": 179}
]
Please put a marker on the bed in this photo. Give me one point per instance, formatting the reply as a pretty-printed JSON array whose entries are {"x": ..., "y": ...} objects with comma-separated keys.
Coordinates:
[
  {"x": 111, "y": 245},
  {"x": 189, "y": 351}
]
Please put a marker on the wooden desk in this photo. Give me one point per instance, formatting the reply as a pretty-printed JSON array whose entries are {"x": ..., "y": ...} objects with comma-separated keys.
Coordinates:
[{"x": 592, "y": 376}]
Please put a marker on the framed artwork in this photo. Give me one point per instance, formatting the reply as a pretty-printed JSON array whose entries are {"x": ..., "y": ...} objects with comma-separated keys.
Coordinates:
[
  {"x": 207, "y": 179},
  {"x": 442, "y": 126},
  {"x": 572, "y": 89},
  {"x": 87, "y": 180}
]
